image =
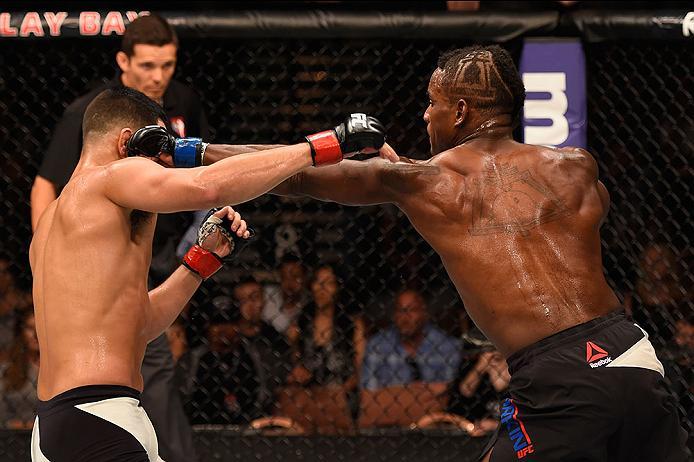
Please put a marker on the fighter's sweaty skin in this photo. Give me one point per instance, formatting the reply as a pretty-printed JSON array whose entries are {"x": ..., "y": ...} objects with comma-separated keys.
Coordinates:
[{"x": 516, "y": 226}]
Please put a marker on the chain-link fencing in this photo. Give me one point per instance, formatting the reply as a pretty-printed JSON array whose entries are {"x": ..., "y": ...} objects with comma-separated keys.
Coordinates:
[{"x": 326, "y": 279}]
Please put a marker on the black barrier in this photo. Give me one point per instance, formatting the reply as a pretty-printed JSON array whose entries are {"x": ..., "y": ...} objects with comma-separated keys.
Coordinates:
[
  {"x": 591, "y": 25},
  {"x": 262, "y": 89},
  {"x": 235, "y": 445}
]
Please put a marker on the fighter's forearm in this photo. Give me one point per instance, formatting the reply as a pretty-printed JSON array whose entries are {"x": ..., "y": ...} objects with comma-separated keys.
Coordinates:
[
  {"x": 240, "y": 179},
  {"x": 349, "y": 182},
  {"x": 217, "y": 152},
  {"x": 168, "y": 300}
]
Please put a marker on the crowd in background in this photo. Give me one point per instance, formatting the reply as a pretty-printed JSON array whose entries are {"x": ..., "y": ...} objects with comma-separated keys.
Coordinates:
[
  {"x": 290, "y": 346},
  {"x": 297, "y": 343}
]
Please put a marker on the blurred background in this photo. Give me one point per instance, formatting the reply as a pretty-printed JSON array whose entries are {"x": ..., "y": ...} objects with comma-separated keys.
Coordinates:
[{"x": 255, "y": 376}]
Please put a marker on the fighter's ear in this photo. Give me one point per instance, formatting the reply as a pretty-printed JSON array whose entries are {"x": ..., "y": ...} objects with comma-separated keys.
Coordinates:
[
  {"x": 123, "y": 137},
  {"x": 460, "y": 112}
]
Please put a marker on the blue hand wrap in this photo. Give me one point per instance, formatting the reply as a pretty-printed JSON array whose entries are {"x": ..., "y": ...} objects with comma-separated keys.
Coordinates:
[{"x": 187, "y": 152}]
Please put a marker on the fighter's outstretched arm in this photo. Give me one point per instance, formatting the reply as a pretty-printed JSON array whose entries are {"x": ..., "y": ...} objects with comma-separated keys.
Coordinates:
[
  {"x": 350, "y": 183},
  {"x": 216, "y": 152},
  {"x": 139, "y": 183},
  {"x": 369, "y": 182}
]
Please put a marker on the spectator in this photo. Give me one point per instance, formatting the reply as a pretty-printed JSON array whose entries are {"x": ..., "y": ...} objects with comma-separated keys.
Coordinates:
[
  {"x": 18, "y": 398},
  {"x": 268, "y": 350},
  {"x": 678, "y": 360},
  {"x": 659, "y": 299},
  {"x": 246, "y": 361},
  {"x": 481, "y": 379},
  {"x": 412, "y": 350},
  {"x": 330, "y": 341},
  {"x": 186, "y": 359},
  {"x": 283, "y": 303},
  {"x": 147, "y": 61},
  {"x": 218, "y": 397},
  {"x": 13, "y": 301}
]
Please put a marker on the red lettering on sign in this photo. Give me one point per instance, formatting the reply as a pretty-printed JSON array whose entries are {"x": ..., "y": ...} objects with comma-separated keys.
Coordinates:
[
  {"x": 6, "y": 30},
  {"x": 113, "y": 22},
  {"x": 55, "y": 21},
  {"x": 89, "y": 23},
  {"x": 31, "y": 24},
  {"x": 132, "y": 15}
]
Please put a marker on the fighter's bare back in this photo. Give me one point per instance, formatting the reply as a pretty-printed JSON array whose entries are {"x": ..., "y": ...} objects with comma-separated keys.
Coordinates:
[
  {"x": 516, "y": 226},
  {"x": 91, "y": 312}
]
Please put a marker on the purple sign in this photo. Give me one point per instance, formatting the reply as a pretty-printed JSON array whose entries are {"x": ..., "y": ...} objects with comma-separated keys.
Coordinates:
[{"x": 554, "y": 76}]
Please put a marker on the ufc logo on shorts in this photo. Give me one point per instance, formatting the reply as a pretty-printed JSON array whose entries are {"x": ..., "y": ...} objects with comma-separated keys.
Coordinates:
[{"x": 359, "y": 120}]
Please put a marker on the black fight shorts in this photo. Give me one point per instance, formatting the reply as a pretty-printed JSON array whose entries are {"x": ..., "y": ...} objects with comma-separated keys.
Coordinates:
[
  {"x": 94, "y": 423},
  {"x": 594, "y": 392}
]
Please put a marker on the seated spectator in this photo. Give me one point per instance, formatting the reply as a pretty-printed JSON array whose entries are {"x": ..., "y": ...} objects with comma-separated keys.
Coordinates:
[
  {"x": 13, "y": 301},
  {"x": 268, "y": 349},
  {"x": 18, "y": 399},
  {"x": 406, "y": 367},
  {"x": 412, "y": 350},
  {"x": 658, "y": 300},
  {"x": 186, "y": 359},
  {"x": 481, "y": 380},
  {"x": 330, "y": 341},
  {"x": 218, "y": 397},
  {"x": 284, "y": 302},
  {"x": 678, "y": 360},
  {"x": 247, "y": 360},
  {"x": 321, "y": 391}
]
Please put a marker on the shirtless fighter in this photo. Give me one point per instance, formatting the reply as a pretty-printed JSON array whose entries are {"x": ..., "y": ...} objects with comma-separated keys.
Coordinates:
[
  {"x": 91, "y": 252},
  {"x": 517, "y": 228}
]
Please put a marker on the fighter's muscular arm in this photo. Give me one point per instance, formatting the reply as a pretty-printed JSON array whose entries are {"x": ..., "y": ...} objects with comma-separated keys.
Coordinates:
[
  {"x": 216, "y": 152},
  {"x": 168, "y": 299},
  {"x": 374, "y": 181},
  {"x": 138, "y": 183}
]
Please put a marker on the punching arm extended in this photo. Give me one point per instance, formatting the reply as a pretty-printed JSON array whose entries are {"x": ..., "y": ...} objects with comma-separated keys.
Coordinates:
[
  {"x": 216, "y": 152},
  {"x": 139, "y": 183},
  {"x": 369, "y": 182},
  {"x": 132, "y": 184}
]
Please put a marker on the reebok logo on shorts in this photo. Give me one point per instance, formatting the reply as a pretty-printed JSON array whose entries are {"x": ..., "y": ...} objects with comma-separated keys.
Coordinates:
[{"x": 596, "y": 356}]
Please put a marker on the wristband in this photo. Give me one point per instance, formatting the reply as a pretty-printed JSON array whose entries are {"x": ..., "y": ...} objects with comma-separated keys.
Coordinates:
[
  {"x": 325, "y": 148},
  {"x": 203, "y": 148},
  {"x": 187, "y": 152},
  {"x": 202, "y": 262}
]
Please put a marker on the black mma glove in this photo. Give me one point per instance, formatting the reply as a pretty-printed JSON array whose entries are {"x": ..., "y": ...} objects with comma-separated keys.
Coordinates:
[
  {"x": 153, "y": 140},
  {"x": 206, "y": 263},
  {"x": 357, "y": 133}
]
